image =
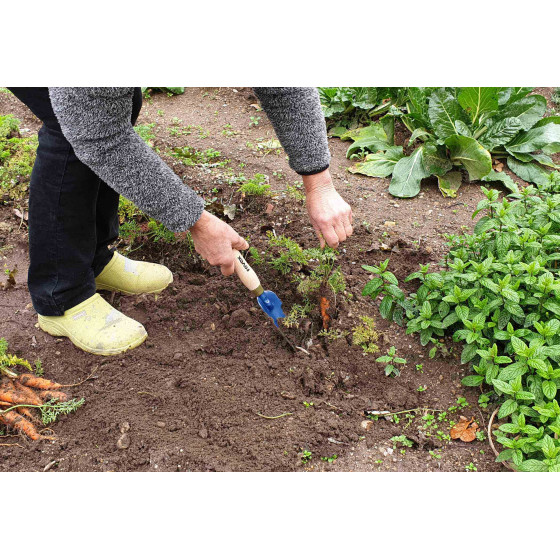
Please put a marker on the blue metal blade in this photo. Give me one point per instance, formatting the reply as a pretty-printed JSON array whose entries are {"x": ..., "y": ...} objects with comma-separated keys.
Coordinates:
[{"x": 270, "y": 303}]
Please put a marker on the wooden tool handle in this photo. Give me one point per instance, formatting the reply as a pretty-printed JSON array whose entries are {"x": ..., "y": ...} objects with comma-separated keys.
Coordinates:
[{"x": 246, "y": 274}]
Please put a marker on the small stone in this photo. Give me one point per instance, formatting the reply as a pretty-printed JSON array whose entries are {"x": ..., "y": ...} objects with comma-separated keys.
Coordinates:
[
  {"x": 125, "y": 427},
  {"x": 390, "y": 224},
  {"x": 203, "y": 433},
  {"x": 287, "y": 395},
  {"x": 177, "y": 356},
  {"x": 239, "y": 318},
  {"x": 161, "y": 424},
  {"x": 366, "y": 425},
  {"x": 123, "y": 442}
]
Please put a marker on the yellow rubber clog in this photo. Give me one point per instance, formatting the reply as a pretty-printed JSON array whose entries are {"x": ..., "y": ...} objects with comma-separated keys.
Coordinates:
[
  {"x": 96, "y": 327},
  {"x": 133, "y": 277}
]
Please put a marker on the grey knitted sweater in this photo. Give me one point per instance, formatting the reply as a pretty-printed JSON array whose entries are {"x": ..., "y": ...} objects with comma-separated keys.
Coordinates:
[{"x": 96, "y": 122}]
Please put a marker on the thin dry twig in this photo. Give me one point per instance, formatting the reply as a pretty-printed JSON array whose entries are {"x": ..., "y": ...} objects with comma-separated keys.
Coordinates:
[
  {"x": 274, "y": 417},
  {"x": 505, "y": 463}
]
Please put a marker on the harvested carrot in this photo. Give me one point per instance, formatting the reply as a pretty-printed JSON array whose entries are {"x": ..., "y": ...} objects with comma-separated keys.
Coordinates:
[
  {"x": 28, "y": 413},
  {"x": 57, "y": 395},
  {"x": 17, "y": 422},
  {"x": 30, "y": 380},
  {"x": 28, "y": 393},
  {"x": 13, "y": 396}
]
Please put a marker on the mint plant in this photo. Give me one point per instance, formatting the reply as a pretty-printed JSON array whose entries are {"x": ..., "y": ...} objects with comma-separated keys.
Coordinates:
[{"x": 498, "y": 292}]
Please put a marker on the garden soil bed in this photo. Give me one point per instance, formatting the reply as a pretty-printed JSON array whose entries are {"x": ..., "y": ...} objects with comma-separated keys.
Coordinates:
[{"x": 193, "y": 397}]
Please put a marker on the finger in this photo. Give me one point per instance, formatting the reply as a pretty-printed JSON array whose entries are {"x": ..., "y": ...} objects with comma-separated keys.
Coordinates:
[
  {"x": 340, "y": 231},
  {"x": 318, "y": 234},
  {"x": 227, "y": 269},
  {"x": 330, "y": 236},
  {"x": 348, "y": 225},
  {"x": 240, "y": 244}
]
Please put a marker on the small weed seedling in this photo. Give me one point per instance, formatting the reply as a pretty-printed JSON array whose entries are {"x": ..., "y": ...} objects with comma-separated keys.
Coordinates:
[
  {"x": 306, "y": 456},
  {"x": 403, "y": 440},
  {"x": 365, "y": 336},
  {"x": 257, "y": 186},
  {"x": 470, "y": 467},
  {"x": 330, "y": 459},
  {"x": 391, "y": 359},
  {"x": 307, "y": 404},
  {"x": 255, "y": 121}
]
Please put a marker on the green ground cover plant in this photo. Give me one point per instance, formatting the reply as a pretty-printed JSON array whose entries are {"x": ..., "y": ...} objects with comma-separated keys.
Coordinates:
[
  {"x": 454, "y": 130},
  {"x": 17, "y": 156},
  {"x": 498, "y": 293}
]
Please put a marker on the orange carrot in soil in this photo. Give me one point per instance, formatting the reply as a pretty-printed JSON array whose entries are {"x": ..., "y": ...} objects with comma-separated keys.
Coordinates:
[
  {"x": 326, "y": 317},
  {"x": 30, "y": 380},
  {"x": 17, "y": 422}
]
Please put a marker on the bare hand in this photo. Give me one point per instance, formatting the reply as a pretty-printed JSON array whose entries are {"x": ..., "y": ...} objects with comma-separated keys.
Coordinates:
[
  {"x": 215, "y": 241},
  {"x": 330, "y": 214}
]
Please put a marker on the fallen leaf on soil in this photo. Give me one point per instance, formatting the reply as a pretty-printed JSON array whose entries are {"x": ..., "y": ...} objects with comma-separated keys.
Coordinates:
[
  {"x": 326, "y": 318},
  {"x": 229, "y": 211},
  {"x": 21, "y": 215},
  {"x": 465, "y": 429},
  {"x": 269, "y": 208}
]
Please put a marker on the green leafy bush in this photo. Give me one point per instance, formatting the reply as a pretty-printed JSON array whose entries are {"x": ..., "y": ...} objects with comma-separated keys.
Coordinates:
[
  {"x": 498, "y": 293},
  {"x": 460, "y": 128},
  {"x": 346, "y": 106}
]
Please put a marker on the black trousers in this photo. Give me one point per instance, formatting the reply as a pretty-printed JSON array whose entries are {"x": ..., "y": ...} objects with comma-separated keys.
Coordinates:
[{"x": 73, "y": 215}]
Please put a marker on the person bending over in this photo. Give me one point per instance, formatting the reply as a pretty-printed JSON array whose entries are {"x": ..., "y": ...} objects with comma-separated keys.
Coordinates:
[{"x": 89, "y": 154}]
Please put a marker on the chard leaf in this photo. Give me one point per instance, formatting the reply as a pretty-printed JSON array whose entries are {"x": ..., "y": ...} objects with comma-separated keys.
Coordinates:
[
  {"x": 478, "y": 101},
  {"x": 418, "y": 133},
  {"x": 471, "y": 154},
  {"x": 407, "y": 174},
  {"x": 530, "y": 172},
  {"x": 435, "y": 160},
  {"x": 500, "y": 132},
  {"x": 450, "y": 183},
  {"x": 510, "y": 94},
  {"x": 372, "y": 138},
  {"x": 545, "y": 160},
  {"x": 528, "y": 110},
  {"x": 463, "y": 129},
  {"x": 380, "y": 164},
  {"x": 535, "y": 139},
  {"x": 504, "y": 178},
  {"x": 443, "y": 111}
]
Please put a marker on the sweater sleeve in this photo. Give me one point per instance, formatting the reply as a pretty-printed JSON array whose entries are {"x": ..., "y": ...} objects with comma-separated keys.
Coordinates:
[
  {"x": 96, "y": 122},
  {"x": 299, "y": 123}
]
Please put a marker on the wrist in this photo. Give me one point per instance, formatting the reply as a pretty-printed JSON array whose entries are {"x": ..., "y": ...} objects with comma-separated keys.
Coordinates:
[
  {"x": 202, "y": 222},
  {"x": 318, "y": 181}
]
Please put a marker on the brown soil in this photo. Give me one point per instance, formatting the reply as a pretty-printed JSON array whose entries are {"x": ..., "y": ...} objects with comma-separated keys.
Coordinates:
[{"x": 193, "y": 394}]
